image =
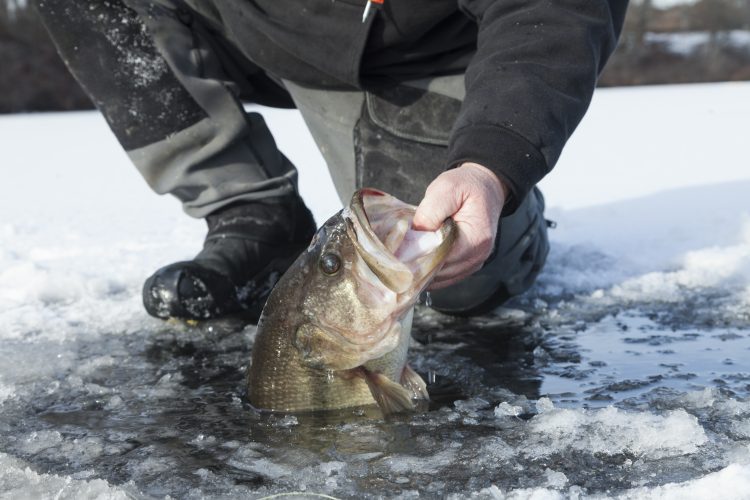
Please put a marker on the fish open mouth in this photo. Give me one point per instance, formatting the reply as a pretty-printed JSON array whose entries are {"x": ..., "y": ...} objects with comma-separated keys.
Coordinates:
[{"x": 403, "y": 258}]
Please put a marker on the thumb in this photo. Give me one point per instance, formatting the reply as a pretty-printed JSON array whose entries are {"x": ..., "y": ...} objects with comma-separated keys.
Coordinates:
[{"x": 439, "y": 203}]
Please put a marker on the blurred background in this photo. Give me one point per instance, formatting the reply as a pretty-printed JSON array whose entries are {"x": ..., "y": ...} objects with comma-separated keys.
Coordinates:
[{"x": 664, "y": 41}]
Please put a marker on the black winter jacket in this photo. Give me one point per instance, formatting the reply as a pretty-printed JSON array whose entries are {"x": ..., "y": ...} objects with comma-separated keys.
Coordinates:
[{"x": 531, "y": 65}]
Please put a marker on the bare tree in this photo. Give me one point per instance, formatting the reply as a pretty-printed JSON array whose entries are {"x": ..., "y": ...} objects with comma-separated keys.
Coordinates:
[
  {"x": 642, "y": 21},
  {"x": 33, "y": 76},
  {"x": 716, "y": 16}
]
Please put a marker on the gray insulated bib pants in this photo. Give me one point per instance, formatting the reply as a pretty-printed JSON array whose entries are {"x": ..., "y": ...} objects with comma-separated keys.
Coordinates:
[{"x": 170, "y": 82}]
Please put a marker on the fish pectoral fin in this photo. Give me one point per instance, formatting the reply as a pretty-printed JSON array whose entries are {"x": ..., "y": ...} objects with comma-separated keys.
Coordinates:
[
  {"x": 414, "y": 383},
  {"x": 390, "y": 396},
  {"x": 322, "y": 349}
]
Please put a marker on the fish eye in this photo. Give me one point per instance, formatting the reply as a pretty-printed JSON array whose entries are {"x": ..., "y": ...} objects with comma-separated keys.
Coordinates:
[{"x": 330, "y": 263}]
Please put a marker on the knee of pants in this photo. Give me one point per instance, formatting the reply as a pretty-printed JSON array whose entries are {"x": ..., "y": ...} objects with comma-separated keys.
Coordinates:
[
  {"x": 401, "y": 140},
  {"x": 394, "y": 139},
  {"x": 523, "y": 244}
]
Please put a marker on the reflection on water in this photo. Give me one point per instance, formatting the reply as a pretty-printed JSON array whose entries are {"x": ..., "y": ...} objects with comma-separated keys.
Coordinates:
[{"x": 517, "y": 402}]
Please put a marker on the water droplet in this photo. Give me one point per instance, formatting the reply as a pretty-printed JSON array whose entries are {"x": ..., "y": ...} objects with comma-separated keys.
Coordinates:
[
  {"x": 427, "y": 299},
  {"x": 431, "y": 376}
]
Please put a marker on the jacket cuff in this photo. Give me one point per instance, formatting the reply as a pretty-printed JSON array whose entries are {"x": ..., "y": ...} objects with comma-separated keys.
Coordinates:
[{"x": 516, "y": 161}]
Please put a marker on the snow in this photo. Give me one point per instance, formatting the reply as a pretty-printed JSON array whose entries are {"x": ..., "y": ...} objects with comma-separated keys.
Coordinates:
[
  {"x": 687, "y": 42},
  {"x": 666, "y": 4},
  {"x": 733, "y": 482},
  {"x": 636, "y": 142},
  {"x": 653, "y": 194},
  {"x": 506, "y": 410},
  {"x": 610, "y": 431},
  {"x": 622, "y": 374},
  {"x": 706, "y": 487},
  {"x": 19, "y": 482}
]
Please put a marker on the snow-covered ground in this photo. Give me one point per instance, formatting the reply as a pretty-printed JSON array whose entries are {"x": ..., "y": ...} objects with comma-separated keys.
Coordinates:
[{"x": 623, "y": 373}]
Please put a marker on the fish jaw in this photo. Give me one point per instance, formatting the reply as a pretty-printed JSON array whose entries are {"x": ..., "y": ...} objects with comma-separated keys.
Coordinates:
[
  {"x": 393, "y": 262},
  {"x": 404, "y": 259},
  {"x": 392, "y": 257}
]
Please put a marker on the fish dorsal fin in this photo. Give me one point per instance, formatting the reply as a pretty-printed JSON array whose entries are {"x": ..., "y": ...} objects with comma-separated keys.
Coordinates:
[{"x": 390, "y": 396}]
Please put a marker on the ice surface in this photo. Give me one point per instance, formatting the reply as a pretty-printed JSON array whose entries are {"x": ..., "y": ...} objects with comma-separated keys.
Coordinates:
[
  {"x": 732, "y": 482},
  {"x": 18, "y": 481},
  {"x": 610, "y": 431},
  {"x": 506, "y": 410},
  {"x": 622, "y": 374}
]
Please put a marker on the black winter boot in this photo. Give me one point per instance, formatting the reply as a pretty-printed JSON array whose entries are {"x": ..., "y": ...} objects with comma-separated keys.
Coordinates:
[{"x": 248, "y": 247}]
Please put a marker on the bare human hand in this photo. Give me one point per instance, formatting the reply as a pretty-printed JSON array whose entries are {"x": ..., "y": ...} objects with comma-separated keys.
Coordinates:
[{"x": 474, "y": 197}]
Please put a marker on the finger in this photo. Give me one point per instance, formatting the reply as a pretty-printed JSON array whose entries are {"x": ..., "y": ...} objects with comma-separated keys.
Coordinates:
[{"x": 440, "y": 202}]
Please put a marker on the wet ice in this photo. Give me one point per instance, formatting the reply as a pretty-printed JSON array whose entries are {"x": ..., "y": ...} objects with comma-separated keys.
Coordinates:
[{"x": 165, "y": 415}]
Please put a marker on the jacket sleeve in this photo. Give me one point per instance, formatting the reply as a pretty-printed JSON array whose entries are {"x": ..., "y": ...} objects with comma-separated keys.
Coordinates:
[{"x": 530, "y": 83}]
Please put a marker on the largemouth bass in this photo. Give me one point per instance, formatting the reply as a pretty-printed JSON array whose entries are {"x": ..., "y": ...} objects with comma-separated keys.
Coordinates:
[{"x": 336, "y": 328}]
